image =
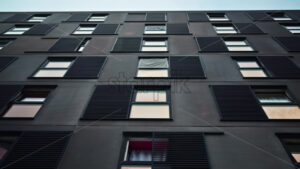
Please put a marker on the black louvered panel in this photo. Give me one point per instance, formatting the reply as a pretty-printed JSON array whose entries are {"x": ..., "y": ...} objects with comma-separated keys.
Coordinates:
[
  {"x": 248, "y": 28},
  {"x": 186, "y": 67},
  {"x": 197, "y": 17},
  {"x": 106, "y": 29},
  {"x": 280, "y": 66},
  {"x": 86, "y": 67},
  {"x": 156, "y": 17},
  {"x": 5, "y": 61},
  {"x": 66, "y": 45},
  {"x": 8, "y": 94},
  {"x": 179, "y": 151},
  {"x": 259, "y": 16},
  {"x": 79, "y": 17},
  {"x": 109, "y": 102},
  {"x": 291, "y": 44},
  {"x": 18, "y": 18},
  {"x": 211, "y": 44},
  {"x": 237, "y": 103},
  {"x": 177, "y": 29},
  {"x": 40, "y": 29},
  {"x": 38, "y": 150},
  {"x": 127, "y": 45}
]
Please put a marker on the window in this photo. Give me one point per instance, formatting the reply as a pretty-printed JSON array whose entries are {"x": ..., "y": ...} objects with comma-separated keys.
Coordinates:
[
  {"x": 38, "y": 18},
  {"x": 28, "y": 103},
  {"x": 291, "y": 144},
  {"x": 84, "y": 29},
  {"x": 6, "y": 141},
  {"x": 18, "y": 30},
  {"x": 54, "y": 68},
  {"x": 238, "y": 44},
  {"x": 251, "y": 68},
  {"x": 4, "y": 43},
  {"x": 217, "y": 17},
  {"x": 280, "y": 16},
  {"x": 139, "y": 149},
  {"x": 225, "y": 29},
  {"x": 276, "y": 103},
  {"x": 155, "y": 29},
  {"x": 153, "y": 67},
  {"x": 293, "y": 28},
  {"x": 150, "y": 104},
  {"x": 97, "y": 18},
  {"x": 154, "y": 45}
]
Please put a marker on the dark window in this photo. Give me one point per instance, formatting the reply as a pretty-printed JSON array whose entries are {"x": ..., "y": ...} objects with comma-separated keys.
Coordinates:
[
  {"x": 197, "y": 17},
  {"x": 5, "y": 61},
  {"x": 69, "y": 45},
  {"x": 291, "y": 143},
  {"x": 291, "y": 44},
  {"x": 159, "y": 149},
  {"x": 156, "y": 17},
  {"x": 135, "y": 17},
  {"x": 26, "y": 102},
  {"x": 177, "y": 29},
  {"x": 248, "y": 103},
  {"x": 260, "y": 16},
  {"x": 18, "y": 18},
  {"x": 5, "y": 42},
  {"x": 40, "y": 29},
  {"x": 127, "y": 45},
  {"x": 79, "y": 17},
  {"x": 71, "y": 68},
  {"x": 42, "y": 149},
  {"x": 133, "y": 102}
]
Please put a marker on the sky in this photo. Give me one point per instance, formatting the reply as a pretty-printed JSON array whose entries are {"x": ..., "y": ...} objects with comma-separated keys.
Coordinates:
[{"x": 145, "y": 5}]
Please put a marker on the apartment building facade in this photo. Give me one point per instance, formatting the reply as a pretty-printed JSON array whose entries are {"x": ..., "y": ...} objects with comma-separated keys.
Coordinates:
[{"x": 143, "y": 90}]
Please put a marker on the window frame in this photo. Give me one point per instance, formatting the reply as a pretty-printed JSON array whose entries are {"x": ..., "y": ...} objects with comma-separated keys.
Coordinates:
[
  {"x": 160, "y": 57},
  {"x": 284, "y": 15},
  {"x": 215, "y": 25},
  {"x": 49, "y": 59},
  {"x": 281, "y": 137},
  {"x": 261, "y": 66},
  {"x": 17, "y": 101},
  {"x": 285, "y": 25},
  {"x": 38, "y": 15},
  {"x": 91, "y": 15},
  {"x": 244, "y": 39},
  {"x": 83, "y": 25},
  {"x": 168, "y": 102},
  {"x": 155, "y": 24},
  {"x": 147, "y": 39},
  {"x": 15, "y": 26}
]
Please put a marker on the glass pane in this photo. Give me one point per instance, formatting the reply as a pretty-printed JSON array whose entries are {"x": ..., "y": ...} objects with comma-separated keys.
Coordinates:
[
  {"x": 136, "y": 167},
  {"x": 241, "y": 48},
  {"x": 296, "y": 156},
  {"x": 155, "y": 32},
  {"x": 153, "y": 63},
  {"x": 13, "y": 33},
  {"x": 248, "y": 64},
  {"x": 86, "y": 28},
  {"x": 253, "y": 73},
  {"x": 154, "y": 43},
  {"x": 295, "y": 31},
  {"x": 282, "y": 18},
  {"x": 58, "y": 64},
  {"x": 150, "y": 111},
  {"x": 224, "y": 27},
  {"x": 50, "y": 73},
  {"x": 151, "y": 96},
  {"x": 22, "y": 111},
  {"x": 233, "y": 43},
  {"x": 33, "y": 99},
  {"x": 6, "y": 141},
  {"x": 139, "y": 149},
  {"x": 1, "y": 47},
  {"x": 154, "y": 49},
  {"x": 155, "y": 28},
  {"x": 20, "y": 28},
  {"x": 226, "y": 32},
  {"x": 293, "y": 27},
  {"x": 83, "y": 32},
  {"x": 152, "y": 73},
  {"x": 282, "y": 112},
  {"x": 273, "y": 98},
  {"x": 218, "y": 19}
]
